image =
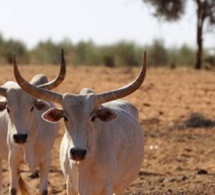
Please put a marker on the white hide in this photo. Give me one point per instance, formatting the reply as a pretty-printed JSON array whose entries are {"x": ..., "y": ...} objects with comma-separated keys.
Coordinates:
[
  {"x": 25, "y": 117},
  {"x": 114, "y": 148}
]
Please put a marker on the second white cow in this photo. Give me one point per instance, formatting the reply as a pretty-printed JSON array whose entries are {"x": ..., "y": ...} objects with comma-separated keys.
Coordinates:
[{"x": 24, "y": 135}]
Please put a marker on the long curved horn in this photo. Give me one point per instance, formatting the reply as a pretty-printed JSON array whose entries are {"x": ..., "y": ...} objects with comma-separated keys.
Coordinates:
[
  {"x": 33, "y": 90},
  {"x": 59, "y": 79},
  {"x": 126, "y": 90}
]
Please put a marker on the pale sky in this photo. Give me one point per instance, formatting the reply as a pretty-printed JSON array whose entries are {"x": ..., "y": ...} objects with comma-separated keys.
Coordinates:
[{"x": 102, "y": 21}]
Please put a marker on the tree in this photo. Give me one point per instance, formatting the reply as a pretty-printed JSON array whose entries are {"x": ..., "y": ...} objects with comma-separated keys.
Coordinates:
[{"x": 172, "y": 10}]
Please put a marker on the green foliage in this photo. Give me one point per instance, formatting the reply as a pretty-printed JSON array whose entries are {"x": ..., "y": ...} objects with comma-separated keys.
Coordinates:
[
  {"x": 183, "y": 56},
  {"x": 108, "y": 56},
  {"x": 46, "y": 52},
  {"x": 170, "y": 10},
  {"x": 127, "y": 54},
  {"x": 11, "y": 47},
  {"x": 158, "y": 53},
  {"x": 206, "y": 11},
  {"x": 88, "y": 53},
  {"x": 121, "y": 54},
  {"x": 186, "y": 55}
]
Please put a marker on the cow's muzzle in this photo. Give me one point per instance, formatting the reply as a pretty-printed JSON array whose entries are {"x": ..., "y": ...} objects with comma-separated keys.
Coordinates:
[
  {"x": 77, "y": 154},
  {"x": 20, "y": 138}
]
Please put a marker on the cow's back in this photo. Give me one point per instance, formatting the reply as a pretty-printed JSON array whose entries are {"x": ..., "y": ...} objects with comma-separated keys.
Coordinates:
[
  {"x": 124, "y": 106},
  {"x": 125, "y": 140}
]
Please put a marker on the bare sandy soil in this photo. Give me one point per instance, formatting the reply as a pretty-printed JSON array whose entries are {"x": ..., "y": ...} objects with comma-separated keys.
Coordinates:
[{"x": 177, "y": 113}]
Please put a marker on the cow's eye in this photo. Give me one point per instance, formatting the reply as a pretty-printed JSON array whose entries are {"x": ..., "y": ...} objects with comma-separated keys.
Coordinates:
[
  {"x": 93, "y": 118},
  {"x": 65, "y": 118},
  {"x": 32, "y": 108},
  {"x": 8, "y": 109}
]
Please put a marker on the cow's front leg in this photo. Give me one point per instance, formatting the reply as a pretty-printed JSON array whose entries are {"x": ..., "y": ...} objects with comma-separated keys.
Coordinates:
[
  {"x": 44, "y": 171},
  {"x": 108, "y": 189},
  {"x": 70, "y": 189},
  {"x": 70, "y": 186},
  {"x": 0, "y": 176},
  {"x": 14, "y": 164}
]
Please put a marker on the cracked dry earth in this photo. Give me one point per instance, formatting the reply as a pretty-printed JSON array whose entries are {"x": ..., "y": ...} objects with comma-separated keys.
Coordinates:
[{"x": 177, "y": 113}]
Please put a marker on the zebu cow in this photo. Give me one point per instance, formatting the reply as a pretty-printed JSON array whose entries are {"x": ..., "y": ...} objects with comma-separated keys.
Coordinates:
[
  {"x": 24, "y": 135},
  {"x": 102, "y": 149}
]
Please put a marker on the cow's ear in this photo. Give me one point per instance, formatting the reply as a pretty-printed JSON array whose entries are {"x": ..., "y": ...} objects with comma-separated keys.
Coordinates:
[
  {"x": 53, "y": 115},
  {"x": 106, "y": 114},
  {"x": 41, "y": 105},
  {"x": 3, "y": 105}
]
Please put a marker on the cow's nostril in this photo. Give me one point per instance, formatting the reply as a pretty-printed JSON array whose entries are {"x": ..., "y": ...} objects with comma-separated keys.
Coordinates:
[
  {"x": 20, "y": 138},
  {"x": 78, "y": 154}
]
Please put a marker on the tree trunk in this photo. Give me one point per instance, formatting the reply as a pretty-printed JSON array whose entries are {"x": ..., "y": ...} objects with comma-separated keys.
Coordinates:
[
  {"x": 198, "y": 64},
  {"x": 199, "y": 40}
]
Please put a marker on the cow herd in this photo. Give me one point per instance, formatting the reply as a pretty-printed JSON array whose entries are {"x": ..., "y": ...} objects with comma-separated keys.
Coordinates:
[{"x": 102, "y": 148}]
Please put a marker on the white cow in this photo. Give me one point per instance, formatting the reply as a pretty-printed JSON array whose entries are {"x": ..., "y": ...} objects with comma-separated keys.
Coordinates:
[
  {"x": 24, "y": 135},
  {"x": 102, "y": 149}
]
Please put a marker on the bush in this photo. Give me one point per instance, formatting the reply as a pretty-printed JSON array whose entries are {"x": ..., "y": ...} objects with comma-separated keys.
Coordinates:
[
  {"x": 158, "y": 53},
  {"x": 87, "y": 53},
  {"x": 127, "y": 54},
  {"x": 12, "y": 47},
  {"x": 46, "y": 53},
  {"x": 197, "y": 120}
]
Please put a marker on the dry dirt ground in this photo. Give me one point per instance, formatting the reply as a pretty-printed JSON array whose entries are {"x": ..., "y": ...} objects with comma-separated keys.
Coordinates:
[{"x": 177, "y": 113}]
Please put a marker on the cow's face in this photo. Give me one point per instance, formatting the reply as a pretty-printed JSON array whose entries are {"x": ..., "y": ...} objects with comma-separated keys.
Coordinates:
[
  {"x": 83, "y": 120},
  {"x": 22, "y": 111}
]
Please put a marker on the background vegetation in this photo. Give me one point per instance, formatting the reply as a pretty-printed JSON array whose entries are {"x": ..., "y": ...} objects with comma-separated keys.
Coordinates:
[
  {"x": 123, "y": 53},
  {"x": 173, "y": 10}
]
